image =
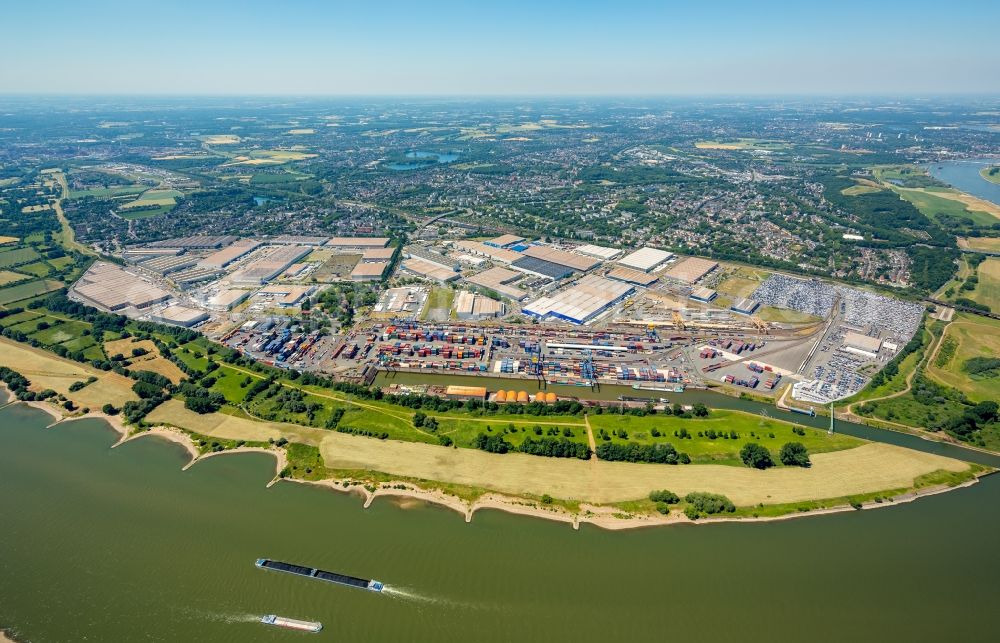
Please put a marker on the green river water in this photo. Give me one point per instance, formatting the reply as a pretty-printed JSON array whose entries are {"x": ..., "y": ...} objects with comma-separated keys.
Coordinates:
[{"x": 121, "y": 545}]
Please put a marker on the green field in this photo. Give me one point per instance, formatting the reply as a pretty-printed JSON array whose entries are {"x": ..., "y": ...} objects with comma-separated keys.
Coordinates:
[
  {"x": 144, "y": 212},
  {"x": 933, "y": 206},
  {"x": 991, "y": 174},
  {"x": 18, "y": 256},
  {"x": 36, "y": 269},
  {"x": 988, "y": 289},
  {"x": 104, "y": 193},
  {"x": 18, "y": 318},
  {"x": 719, "y": 450},
  {"x": 19, "y": 292},
  {"x": 61, "y": 332},
  {"x": 975, "y": 337}
]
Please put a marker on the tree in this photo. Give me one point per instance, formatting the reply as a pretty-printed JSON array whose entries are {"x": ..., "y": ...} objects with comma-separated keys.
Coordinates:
[
  {"x": 109, "y": 409},
  {"x": 668, "y": 497},
  {"x": 756, "y": 456},
  {"x": 419, "y": 418},
  {"x": 794, "y": 454},
  {"x": 700, "y": 410}
]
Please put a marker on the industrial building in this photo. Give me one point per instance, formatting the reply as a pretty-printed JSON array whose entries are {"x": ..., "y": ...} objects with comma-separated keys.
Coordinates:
[
  {"x": 141, "y": 254},
  {"x": 227, "y": 299},
  {"x": 628, "y": 275},
  {"x": 298, "y": 240},
  {"x": 691, "y": 269},
  {"x": 194, "y": 275},
  {"x": 110, "y": 288},
  {"x": 499, "y": 279},
  {"x": 222, "y": 258},
  {"x": 645, "y": 259},
  {"x": 703, "y": 294},
  {"x": 745, "y": 306},
  {"x": 359, "y": 244},
  {"x": 430, "y": 256},
  {"x": 571, "y": 260},
  {"x": 270, "y": 266},
  {"x": 479, "y": 248},
  {"x": 195, "y": 242},
  {"x": 862, "y": 344},
  {"x": 371, "y": 271},
  {"x": 168, "y": 264},
  {"x": 180, "y": 316},
  {"x": 404, "y": 302},
  {"x": 505, "y": 241},
  {"x": 542, "y": 268},
  {"x": 429, "y": 270},
  {"x": 473, "y": 306},
  {"x": 377, "y": 254},
  {"x": 581, "y": 302},
  {"x": 285, "y": 296},
  {"x": 598, "y": 252}
]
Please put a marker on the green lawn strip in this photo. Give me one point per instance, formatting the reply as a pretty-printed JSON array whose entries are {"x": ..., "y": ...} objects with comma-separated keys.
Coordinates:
[
  {"x": 720, "y": 450},
  {"x": 19, "y": 318},
  {"x": 60, "y": 332},
  {"x": 17, "y": 256},
  {"x": 37, "y": 269},
  {"x": 463, "y": 431}
]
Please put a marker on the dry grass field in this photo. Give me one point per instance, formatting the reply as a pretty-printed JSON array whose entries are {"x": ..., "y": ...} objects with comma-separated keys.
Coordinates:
[
  {"x": 990, "y": 244},
  {"x": 221, "y": 139},
  {"x": 8, "y": 277},
  {"x": 865, "y": 469},
  {"x": 230, "y": 427},
  {"x": 45, "y": 370},
  {"x": 152, "y": 361}
]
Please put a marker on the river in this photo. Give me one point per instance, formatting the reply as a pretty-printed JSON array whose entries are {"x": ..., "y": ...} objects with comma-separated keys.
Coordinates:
[
  {"x": 120, "y": 545},
  {"x": 965, "y": 176}
]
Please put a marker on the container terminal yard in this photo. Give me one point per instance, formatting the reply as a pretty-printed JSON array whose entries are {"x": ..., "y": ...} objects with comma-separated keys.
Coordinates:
[{"x": 508, "y": 308}]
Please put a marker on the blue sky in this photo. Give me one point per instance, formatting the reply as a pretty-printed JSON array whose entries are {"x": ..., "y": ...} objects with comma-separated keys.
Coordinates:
[{"x": 513, "y": 47}]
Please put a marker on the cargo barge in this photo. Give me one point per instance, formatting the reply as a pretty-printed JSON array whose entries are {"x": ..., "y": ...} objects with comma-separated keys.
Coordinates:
[
  {"x": 319, "y": 574},
  {"x": 291, "y": 623}
]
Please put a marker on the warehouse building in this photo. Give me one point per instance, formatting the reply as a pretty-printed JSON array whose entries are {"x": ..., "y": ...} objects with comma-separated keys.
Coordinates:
[
  {"x": 141, "y": 254},
  {"x": 194, "y": 275},
  {"x": 691, "y": 269},
  {"x": 298, "y": 240},
  {"x": 359, "y": 244},
  {"x": 630, "y": 276},
  {"x": 581, "y": 302},
  {"x": 542, "y": 268},
  {"x": 169, "y": 264},
  {"x": 267, "y": 268},
  {"x": 195, "y": 242},
  {"x": 227, "y": 299},
  {"x": 578, "y": 263},
  {"x": 646, "y": 259},
  {"x": 180, "y": 316},
  {"x": 703, "y": 294},
  {"x": 377, "y": 254},
  {"x": 371, "y": 271},
  {"x": 745, "y": 306},
  {"x": 285, "y": 296},
  {"x": 473, "y": 306},
  {"x": 110, "y": 288},
  {"x": 598, "y": 252},
  {"x": 862, "y": 344},
  {"x": 500, "y": 280},
  {"x": 505, "y": 241},
  {"x": 430, "y": 256},
  {"x": 480, "y": 249},
  {"x": 222, "y": 258},
  {"x": 428, "y": 270}
]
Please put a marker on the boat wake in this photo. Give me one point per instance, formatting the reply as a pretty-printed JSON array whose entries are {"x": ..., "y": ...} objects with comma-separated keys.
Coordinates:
[
  {"x": 412, "y": 596},
  {"x": 222, "y": 617}
]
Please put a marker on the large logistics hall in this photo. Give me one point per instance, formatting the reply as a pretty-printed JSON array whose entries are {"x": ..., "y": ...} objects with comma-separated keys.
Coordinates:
[{"x": 581, "y": 302}]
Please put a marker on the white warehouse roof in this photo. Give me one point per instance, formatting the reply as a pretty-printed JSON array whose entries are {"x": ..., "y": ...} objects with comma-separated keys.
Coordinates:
[{"x": 645, "y": 259}]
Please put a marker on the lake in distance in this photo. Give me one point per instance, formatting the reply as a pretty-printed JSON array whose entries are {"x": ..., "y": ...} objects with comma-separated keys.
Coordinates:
[{"x": 121, "y": 545}]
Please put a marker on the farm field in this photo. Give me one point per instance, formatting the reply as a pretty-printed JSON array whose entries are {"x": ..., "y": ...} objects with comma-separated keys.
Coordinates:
[
  {"x": 989, "y": 244},
  {"x": 951, "y": 203},
  {"x": 742, "y": 144},
  {"x": 270, "y": 157},
  {"x": 7, "y": 277},
  {"x": 220, "y": 139},
  {"x": 152, "y": 361},
  {"x": 105, "y": 193},
  {"x": 22, "y": 291},
  {"x": 17, "y": 256},
  {"x": 988, "y": 289}
]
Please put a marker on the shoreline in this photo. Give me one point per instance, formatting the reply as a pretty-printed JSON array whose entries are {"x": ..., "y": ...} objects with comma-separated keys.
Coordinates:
[{"x": 604, "y": 517}]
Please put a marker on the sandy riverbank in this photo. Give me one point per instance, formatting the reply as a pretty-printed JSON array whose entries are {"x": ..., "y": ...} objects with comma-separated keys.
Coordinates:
[{"x": 406, "y": 493}]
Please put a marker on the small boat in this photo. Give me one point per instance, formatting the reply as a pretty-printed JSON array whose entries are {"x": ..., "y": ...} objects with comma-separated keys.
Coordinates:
[{"x": 291, "y": 623}]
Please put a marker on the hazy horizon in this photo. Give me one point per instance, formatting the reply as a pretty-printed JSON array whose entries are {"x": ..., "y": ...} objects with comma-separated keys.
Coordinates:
[{"x": 518, "y": 49}]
